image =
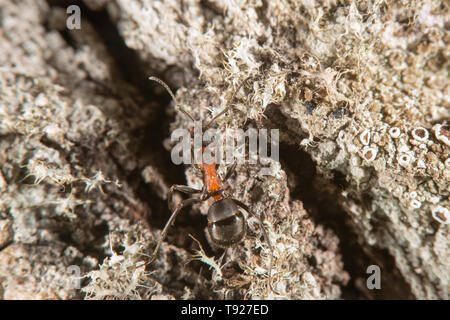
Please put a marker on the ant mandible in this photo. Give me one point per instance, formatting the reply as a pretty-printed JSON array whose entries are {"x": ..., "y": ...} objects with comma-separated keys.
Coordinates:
[{"x": 226, "y": 223}]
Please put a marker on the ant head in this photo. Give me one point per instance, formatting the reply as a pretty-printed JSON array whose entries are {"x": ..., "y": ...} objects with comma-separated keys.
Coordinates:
[{"x": 226, "y": 223}]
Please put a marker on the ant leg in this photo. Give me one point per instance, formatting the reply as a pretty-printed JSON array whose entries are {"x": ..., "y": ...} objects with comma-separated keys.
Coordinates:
[
  {"x": 266, "y": 236},
  {"x": 229, "y": 106},
  {"x": 230, "y": 171},
  {"x": 180, "y": 206},
  {"x": 180, "y": 188}
]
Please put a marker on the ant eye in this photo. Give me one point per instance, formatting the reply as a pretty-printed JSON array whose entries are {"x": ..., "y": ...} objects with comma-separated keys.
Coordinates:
[{"x": 228, "y": 231}]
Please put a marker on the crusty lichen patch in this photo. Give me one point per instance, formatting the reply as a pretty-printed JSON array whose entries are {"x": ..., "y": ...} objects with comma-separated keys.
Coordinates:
[{"x": 363, "y": 88}]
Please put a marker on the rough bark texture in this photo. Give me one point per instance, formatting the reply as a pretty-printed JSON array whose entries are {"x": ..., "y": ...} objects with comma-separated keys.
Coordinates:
[{"x": 360, "y": 92}]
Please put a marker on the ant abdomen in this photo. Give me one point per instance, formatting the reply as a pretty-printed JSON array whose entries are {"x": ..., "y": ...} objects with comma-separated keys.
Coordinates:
[{"x": 226, "y": 223}]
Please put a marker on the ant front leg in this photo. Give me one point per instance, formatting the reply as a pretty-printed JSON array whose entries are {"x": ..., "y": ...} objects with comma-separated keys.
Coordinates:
[
  {"x": 230, "y": 171},
  {"x": 178, "y": 209},
  {"x": 230, "y": 104}
]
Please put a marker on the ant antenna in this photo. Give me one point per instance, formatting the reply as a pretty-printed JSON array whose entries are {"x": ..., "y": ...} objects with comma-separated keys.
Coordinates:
[
  {"x": 229, "y": 106},
  {"x": 183, "y": 110},
  {"x": 173, "y": 96}
]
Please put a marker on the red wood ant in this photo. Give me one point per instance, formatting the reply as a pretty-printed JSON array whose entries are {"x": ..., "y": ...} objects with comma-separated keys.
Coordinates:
[{"x": 226, "y": 223}]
